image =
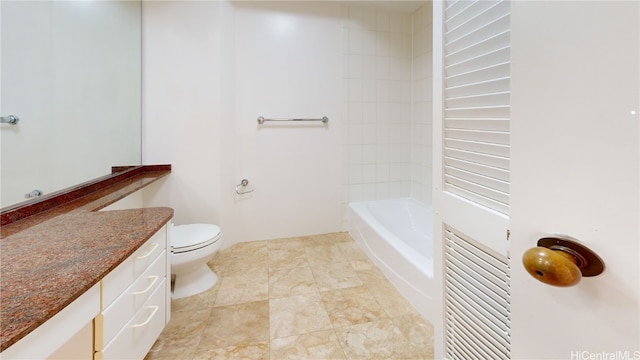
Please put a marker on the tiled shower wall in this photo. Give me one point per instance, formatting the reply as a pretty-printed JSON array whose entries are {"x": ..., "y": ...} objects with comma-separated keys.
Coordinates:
[
  {"x": 386, "y": 109},
  {"x": 422, "y": 105}
]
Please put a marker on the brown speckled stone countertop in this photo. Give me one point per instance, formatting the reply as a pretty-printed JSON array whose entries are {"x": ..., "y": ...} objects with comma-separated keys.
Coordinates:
[{"x": 49, "y": 259}]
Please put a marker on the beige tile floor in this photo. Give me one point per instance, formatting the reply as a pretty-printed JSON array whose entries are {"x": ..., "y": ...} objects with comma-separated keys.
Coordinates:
[{"x": 314, "y": 297}]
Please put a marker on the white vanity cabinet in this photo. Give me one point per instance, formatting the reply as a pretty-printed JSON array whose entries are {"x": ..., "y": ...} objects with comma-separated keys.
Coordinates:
[
  {"x": 135, "y": 302},
  {"x": 67, "y": 335}
]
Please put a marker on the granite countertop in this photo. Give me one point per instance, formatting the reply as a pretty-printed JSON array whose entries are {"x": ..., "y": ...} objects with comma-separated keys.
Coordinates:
[{"x": 49, "y": 259}]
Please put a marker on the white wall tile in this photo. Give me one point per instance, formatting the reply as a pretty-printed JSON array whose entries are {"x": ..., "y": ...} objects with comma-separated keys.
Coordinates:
[
  {"x": 369, "y": 173},
  {"x": 355, "y": 70},
  {"x": 355, "y": 90},
  {"x": 369, "y": 94},
  {"x": 355, "y": 154},
  {"x": 355, "y": 174},
  {"x": 394, "y": 115},
  {"x": 369, "y": 108},
  {"x": 369, "y": 191},
  {"x": 382, "y": 21},
  {"x": 355, "y": 113},
  {"x": 369, "y": 154},
  {"x": 382, "y": 191},
  {"x": 369, "y": 69},
  {"x": 382, "y": 67},
  {"x": 382, "y": 172}
]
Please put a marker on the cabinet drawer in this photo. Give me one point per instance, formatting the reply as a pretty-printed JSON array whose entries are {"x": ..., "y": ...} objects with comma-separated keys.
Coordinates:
[
  {"x": 116, "y": 315},
  {"x": 139, "y": 334},
  {"x": 126, "y": 273}
]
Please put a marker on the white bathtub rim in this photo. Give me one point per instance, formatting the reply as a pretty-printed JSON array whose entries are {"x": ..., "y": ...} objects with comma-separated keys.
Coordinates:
[
  {"x": 406, "y": 251},
  {"x": 409, "y": 278}
]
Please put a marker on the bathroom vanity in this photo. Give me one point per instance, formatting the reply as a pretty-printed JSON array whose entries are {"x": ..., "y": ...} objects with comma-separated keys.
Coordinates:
[{"x": 80, "y": 283}]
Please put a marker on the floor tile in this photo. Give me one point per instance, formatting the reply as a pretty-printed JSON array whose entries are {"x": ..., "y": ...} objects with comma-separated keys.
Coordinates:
[
  {"x": 380, "y": 339},
  {"x": 351, "y": 306},
  {"x": 204, "y": 300},
  {"x": 243, "y": 288},
  {"x": 308, "y": 297},
  {"x": 288, "y": 243},
  {"x": 419, "y": 334},
  {"x": 287, "y": 258},
  {"x": 390, "y": 299},
  {"x": 250, "y": 351},
  {"x": 351, "y": 251},
  {"x": 250, "y": 259},
  {"x": 324, "y": 254},
  {"x": 335, "y": 276},
  {"x": 289, "y": 282},
  {"x": 236, "y": 325},
  {"x": 297, "y": 315},
  {"x": 182, "y": 335},
  {"x": 320, "y": 345}
]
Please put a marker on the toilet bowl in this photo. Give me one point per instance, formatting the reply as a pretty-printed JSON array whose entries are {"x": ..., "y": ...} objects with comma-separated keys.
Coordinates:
[{"x": 192, "y": 246}]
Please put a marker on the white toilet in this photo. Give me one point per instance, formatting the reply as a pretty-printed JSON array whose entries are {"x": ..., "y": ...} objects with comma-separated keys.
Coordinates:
[{"x": 191, "y": 247}]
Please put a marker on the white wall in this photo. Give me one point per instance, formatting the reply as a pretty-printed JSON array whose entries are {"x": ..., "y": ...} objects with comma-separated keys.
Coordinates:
[
  {"x": 203, "y": 94},
  {"x": 181, "y": 97},
  {"x": 287, "y": 65},
  {"x": 211, "y": 68}
]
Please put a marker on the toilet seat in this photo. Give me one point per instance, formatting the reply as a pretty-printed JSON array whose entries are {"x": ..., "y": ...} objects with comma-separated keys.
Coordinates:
[{"x": 191, "y": 237}]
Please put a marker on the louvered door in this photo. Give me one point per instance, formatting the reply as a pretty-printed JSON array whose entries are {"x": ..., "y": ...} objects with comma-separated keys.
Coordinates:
[{"x": 471, "y": 173}]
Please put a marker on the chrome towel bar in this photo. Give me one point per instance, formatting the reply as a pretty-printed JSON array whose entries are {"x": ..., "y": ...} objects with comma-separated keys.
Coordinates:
[
  {"x": 262, "y": 119},
  {"x": 11, "y": 119}
]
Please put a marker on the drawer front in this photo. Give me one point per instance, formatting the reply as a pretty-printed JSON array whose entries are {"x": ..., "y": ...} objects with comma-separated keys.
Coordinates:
[
  {"x": 116, "y": 315},
  {"x": 137, "y": 337},
  {"x": 126, "y": 273}
]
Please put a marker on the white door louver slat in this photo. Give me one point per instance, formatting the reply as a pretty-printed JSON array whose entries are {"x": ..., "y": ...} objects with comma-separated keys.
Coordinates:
[
  {"x": 477, "y": 95},
  {"x": 470, "y": 64},
  {"x": 479, "y": 16},
  {"x": 478, "y": 189},
  {"x": 476, "y": 157},
  {"x": 477, "y": 300},
  {"x": 490, "y": 86},
  {"x": 453, "y": 8},
  {"x": 492, "y": 332},
  {"x": 476, "y": 76},
  {"x": 489, "y": 137},
  {"x": 495, "y": 112},
  {"x": 490, "y": 99},
  {"x": 491, "y": 312},
  {"x": 481, "y": 147},
  {"x": 463, "y": 14},
  {"x": 487, "y": 124},
  {"x": 480, "y": 169},
  {"x": 476, "y": 36},
  {"x": 497, "y": 41},
  {"x": 488, "y": 182}
]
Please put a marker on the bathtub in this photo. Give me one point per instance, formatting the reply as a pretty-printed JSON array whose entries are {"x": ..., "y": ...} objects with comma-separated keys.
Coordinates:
[{"x": 397, "y": 235}]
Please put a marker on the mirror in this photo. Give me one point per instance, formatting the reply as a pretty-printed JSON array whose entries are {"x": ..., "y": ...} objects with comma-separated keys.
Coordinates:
[{"x": 71, "y": 72}]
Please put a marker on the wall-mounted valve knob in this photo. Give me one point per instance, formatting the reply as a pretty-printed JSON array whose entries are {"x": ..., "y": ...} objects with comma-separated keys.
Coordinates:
[{"x": 561, "y": 262}]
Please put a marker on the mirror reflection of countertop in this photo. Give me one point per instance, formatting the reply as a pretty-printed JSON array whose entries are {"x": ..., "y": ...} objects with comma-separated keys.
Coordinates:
[{"x": 49, "y": 259}]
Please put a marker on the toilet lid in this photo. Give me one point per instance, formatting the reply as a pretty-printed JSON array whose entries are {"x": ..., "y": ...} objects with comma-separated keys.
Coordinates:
[{"x": 193, "y": 236}]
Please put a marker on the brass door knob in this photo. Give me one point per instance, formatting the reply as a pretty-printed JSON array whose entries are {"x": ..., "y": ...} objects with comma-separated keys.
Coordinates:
[{"x": 561, "y": 262}]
